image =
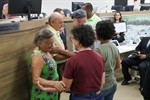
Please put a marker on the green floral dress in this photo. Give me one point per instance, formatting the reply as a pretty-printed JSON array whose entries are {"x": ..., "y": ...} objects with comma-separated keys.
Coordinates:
[{"x": 49, "y": 72}]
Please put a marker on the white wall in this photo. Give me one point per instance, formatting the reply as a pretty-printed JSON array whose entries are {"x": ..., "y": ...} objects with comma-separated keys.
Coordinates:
[{"x": 49, "y": 5}]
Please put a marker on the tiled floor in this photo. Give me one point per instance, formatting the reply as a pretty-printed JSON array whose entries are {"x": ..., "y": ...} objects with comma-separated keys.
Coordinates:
[{"x": 128, "y": 92}]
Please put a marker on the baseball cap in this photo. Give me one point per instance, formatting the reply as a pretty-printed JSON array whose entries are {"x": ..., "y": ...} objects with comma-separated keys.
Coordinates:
[{"x": 78, "y": 14}]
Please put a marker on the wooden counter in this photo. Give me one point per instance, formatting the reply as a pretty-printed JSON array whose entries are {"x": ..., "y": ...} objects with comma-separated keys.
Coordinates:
[
  {"x": 132, "y": 13},
  {"x": 15, "y": 47}
]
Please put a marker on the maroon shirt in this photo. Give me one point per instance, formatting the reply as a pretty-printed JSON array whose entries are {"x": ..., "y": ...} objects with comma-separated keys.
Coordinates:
[{"x": 86, "y": 69}]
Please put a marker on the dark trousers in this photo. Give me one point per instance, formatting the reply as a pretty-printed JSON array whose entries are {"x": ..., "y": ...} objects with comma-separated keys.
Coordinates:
[
  {"x": 88, "y": 96},
  {"x": 109, "y": 93},
  {"x": 128, "y": 62},
  {"x": 146, "y": 86},
  {"x": 143, "y": 67}
]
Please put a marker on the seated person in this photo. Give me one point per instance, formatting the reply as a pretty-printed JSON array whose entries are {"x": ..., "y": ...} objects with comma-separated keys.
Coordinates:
[
  {"x": 5, "y": 12},
  {"x": 141, "y": 59},
  {"x": 117, "y": 19}
]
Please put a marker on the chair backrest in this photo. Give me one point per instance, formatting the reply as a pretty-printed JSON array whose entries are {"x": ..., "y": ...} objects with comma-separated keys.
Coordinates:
[
  {"x": 44, "y": 14},
  {"x": 129, "y": 8},
  {"x": 145, "y": 8},
  {"x": 118, "y": 8},
  {"x": 67, "y": 12}
]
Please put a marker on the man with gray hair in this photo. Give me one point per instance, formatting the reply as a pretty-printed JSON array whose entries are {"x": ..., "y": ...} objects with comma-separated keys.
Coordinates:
[
  {"x": 79, "y": 16},
  {"x": 55, "y": 25}
]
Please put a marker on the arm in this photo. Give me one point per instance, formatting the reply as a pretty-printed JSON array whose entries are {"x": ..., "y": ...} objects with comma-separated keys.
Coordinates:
[
  {"x": 66, "y": 53},
  {"x": 117, "y": 62},
  {"x": 5, "y": 9},
  {"x": 68, "y": 83},
  {"x": 144, "y": 56},
  {"x": 37, "y": 64},
  {"x": 48, "y": 89},
  {"x": 60, "y": 57},
  {"x": 103, "y": 79}
]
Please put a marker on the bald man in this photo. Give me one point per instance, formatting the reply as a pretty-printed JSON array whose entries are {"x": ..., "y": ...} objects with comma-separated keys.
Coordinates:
[
  {"x": 55, "y": 25},
  {"x": 63, "y": 33}
]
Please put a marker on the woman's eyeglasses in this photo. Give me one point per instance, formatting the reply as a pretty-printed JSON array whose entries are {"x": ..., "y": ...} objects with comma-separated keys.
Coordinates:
[{"x": 49, "y": 44}]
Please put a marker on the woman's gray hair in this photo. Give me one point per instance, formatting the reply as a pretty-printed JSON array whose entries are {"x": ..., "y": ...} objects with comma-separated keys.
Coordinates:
[{"x": 42, "y": 35}]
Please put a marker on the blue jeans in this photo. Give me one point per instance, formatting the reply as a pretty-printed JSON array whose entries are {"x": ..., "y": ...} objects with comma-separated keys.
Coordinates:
[
  {"x": 109, "y": 94},
  {"x": 89, "y": 96}
]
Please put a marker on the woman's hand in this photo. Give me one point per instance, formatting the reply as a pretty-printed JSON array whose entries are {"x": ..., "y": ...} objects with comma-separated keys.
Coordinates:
[
  {"x": 46, "y": 89},
  {"x": 59, "y": 85},
  {"x": 55, "y": 50}
]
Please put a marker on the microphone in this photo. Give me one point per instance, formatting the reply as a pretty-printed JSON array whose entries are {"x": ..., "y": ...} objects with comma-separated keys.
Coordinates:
[{"x": 103, "y": 8}]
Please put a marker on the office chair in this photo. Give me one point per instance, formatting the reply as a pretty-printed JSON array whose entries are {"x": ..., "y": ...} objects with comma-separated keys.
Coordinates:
[
  {"x": 67, "y": 12},
  {"x": 144, "y": 8},
  {"x": 117, "y": 8},
  {"x": 129, "y": 8},
  {"x": 136, "y": 68}
]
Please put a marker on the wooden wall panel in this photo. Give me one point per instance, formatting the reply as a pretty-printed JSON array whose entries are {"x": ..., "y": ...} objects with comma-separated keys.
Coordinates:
[{"x": 15, "y": 78}]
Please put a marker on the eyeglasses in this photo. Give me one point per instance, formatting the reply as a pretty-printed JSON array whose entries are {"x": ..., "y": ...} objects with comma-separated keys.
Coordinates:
[{"x": 49, "y": 44}]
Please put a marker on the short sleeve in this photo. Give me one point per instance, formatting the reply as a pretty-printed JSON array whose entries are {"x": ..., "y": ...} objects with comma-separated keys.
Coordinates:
[
  {"x": 68, "y": 72},
  {"x": 98, "y": 50}
]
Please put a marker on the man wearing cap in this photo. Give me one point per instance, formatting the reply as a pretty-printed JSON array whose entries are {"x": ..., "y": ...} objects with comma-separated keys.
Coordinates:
[{"x": 79, "y": 17}]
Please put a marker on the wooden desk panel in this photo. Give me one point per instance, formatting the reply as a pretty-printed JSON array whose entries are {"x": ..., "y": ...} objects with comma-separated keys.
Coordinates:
[{"x": 15, "y": 47}]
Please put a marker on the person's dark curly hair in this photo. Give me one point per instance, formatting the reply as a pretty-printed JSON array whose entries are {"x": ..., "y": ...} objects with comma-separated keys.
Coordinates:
[
  {"x": 84, "y": 34},
  {"x": 105, "y": 30}
]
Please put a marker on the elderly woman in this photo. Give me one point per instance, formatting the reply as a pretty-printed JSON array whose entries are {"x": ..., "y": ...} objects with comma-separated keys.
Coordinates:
[
  {"x": 44, "y": 68},
  {"x": 84, "y": 72}
]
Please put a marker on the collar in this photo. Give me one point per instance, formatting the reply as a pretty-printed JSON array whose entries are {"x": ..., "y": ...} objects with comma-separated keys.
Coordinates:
[
  {"x": 53, "y": 30},
  {"x": 92, "y": 18}
]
